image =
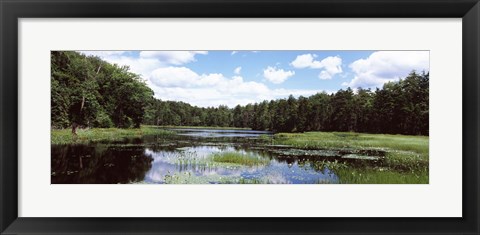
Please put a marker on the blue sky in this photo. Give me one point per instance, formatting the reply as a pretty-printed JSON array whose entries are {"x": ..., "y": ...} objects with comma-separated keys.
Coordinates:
[{"x": 212, "y": 78}]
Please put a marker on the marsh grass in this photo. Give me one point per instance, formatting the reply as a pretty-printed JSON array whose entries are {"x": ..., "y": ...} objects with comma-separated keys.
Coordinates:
[
  {"x": 317, "y": 140},
  {"x": 250, "y": 181},
  {"x": 407, "y": 161},
  {"x": 380, "y": 176},
  {"x": 328, "y": 140},
  {"x": 239, "y": 158},
  {"x": 65, "y": 136},
  {"x": 406, "y": 157},
  {"x": 188, "y": 178}
]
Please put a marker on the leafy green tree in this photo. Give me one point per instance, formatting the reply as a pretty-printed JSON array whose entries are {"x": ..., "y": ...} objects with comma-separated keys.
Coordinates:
[{"x": 89, "y": 92}]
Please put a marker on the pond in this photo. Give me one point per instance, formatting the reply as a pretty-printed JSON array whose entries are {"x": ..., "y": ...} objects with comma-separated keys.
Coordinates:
[{"x": 198, "y": 156}]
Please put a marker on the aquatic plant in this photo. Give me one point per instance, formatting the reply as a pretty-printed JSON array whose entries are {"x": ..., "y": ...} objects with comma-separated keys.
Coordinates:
[
  {"x": 239, "y": 158},
  {"x": 406, "y": 157},
  {"x": 379, "y": 176}
]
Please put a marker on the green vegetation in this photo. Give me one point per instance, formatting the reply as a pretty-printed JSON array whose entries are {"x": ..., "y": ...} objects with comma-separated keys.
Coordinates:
[
  {"x": 186, "y": 178},
  {"x": 89, "y": 92},
  {"x": 238, "y": 158},
  {"x": 400, "y": 107},
  {"x": 226, "y": 160},
  {"x": 65, "y": 136},
  {"x": 320, "y": 140},
  {"x": 93, "y": 100},
  {"x": 379, "y": 176},
  {"x": 406, "y": 159}
]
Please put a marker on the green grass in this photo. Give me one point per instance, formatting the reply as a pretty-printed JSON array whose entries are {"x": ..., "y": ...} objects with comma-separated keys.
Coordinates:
[
  {"x": 406, "y": 158},
  {"x": 238, "y": 158},
  {"x": 205, "y": 127},
  {"x": 380, "y": 176},
  {"x": 188, "y": 178},
  {"x": 65, "y": 136},
  {"x": 315, "y": 140},
  {"x": 400, "y": 148}
]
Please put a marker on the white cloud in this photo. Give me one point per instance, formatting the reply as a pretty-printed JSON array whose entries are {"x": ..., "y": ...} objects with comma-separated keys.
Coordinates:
[
  {"x": 180, "y": 83},
  {"x": 173, "y": 77},
  {"x": 206, "y": 90},
  {"x": 172, "y": 57},
  {"x": 384, "y": 66},
  {"x": 237, "y": 70},
  {"x": 277, "y": 76},
  {"x": 147, "y": 61},
  {"x": 304, "y": 61},
  {"x": 142, "y": 66},
  {"x": 234, "y": 52},
  {"x": 330, "y": 66},
  {"x": 103, "y": 53}
]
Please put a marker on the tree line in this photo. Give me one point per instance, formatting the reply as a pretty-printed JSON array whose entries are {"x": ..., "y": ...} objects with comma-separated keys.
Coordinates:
[
  {"x": 91, "y": 92},
  {"x": 400, "y": 107},
  {"x": 87, "y": 91}
]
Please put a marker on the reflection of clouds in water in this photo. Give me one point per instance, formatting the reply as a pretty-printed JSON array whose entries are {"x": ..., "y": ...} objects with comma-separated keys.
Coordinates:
[
  {"x": 221, "y": 171},
  {"x": 282, "y": 173},
  {"x": 204, "y": 151},
  {"x": 159, "y": 170},
  {"x": 276, "y": 178},
  {"x": 193, "y": 162},
  {"x": 268, "y": 174},
  {"x": 188, "y": 160},
  {"x": 220, "y": 133}
]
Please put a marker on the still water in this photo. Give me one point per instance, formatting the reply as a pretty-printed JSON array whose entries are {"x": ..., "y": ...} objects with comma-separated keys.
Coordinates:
[{"x": 186, "y": 158}]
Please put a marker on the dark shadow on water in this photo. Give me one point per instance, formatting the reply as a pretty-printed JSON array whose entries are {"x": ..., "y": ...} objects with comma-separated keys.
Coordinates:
[
  {"x": 184, "y": 158},
  {"x": 98, "y": 164}
]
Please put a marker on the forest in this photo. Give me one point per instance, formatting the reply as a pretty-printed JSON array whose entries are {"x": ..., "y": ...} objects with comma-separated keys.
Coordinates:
[{"x": 89, "y": 92}]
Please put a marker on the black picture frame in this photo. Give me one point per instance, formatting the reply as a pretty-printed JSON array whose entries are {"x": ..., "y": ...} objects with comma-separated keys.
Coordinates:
[{"x": 12, "y": 10}]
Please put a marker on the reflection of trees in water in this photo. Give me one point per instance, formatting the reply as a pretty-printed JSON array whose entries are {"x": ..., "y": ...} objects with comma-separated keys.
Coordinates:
[
  {"x": 130, "y": 160},
  {"x": 171, "y": 143},
  {"x": 98, "y": 164}
]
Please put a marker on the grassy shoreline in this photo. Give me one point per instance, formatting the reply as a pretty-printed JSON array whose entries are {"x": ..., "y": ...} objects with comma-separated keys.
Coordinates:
[
  {"x": 64, "y": 136},
  {"x": 406, "y": 159}
]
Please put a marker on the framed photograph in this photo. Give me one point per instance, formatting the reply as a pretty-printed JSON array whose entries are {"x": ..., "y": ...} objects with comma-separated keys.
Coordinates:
[{"x": 239, "y": 117}]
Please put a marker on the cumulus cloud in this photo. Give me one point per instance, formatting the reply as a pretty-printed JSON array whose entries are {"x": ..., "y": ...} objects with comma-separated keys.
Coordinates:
[
  {"x": 237, "y": 70},
  {"x": 146, "y": 61},
  {"x": 179, "y": 83},
  {"x": 384, "y": 66},
  {"x": 172, "y": 57},
  {"x": 206, "y": 90},
  {"x": 330, "y": 66},
  {"x": 275, "y": 75},
  {"x": 305, "y": 61},
  {"x": 103, "y": 53},
  {"x": 138, "y": 65}
]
